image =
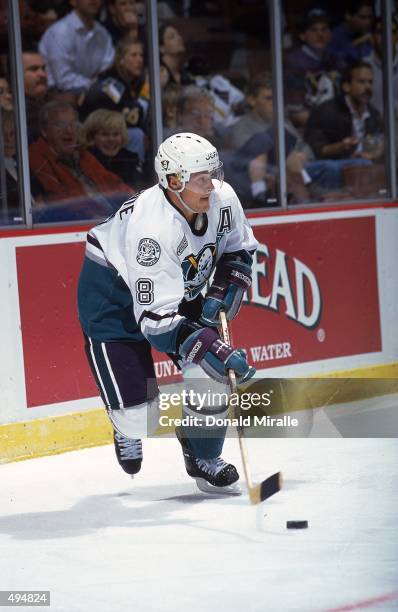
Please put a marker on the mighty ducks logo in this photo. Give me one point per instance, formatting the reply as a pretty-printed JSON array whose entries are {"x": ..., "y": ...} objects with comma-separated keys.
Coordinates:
[
  {"x": 197, "y": 269},
  {"x": 148, "y": 252}
]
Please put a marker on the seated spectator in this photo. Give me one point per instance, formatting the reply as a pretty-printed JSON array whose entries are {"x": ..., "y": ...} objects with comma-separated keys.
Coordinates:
[
  {"x": 68, "y": 175},
  {"x": 36, "y": 17},
  {"x": 258, "y": 118},
  {"x": 252, "y": 170},
  {"x": 76, "y": 48},
  {"x": 251, "y": 167},
  {"x": 119, "y": 89},
  {"x": 10, "y": 201},
  {"x": 121, "y": 20},
  {"x": 310, "y": 69},
  {"x": 348, "y": 130},
  {"x": 5, "y": 95},
  {"x": 172, "y": 56},
  {"x": 105, "y": 135},
  {"x": 375, "y": 59},
  {"x": 352, "y": 40},
  {"x": 337, "y": 129},
  {"x": 36, "y": 89},
  {"x": 228, "y": 99},
  {"x": 169, "y": 106},
  {"x": 195, "y": 113}
]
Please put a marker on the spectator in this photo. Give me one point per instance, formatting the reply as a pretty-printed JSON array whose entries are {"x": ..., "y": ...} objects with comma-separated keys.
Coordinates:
[
  {"x": 310, "y": 69},
  {"x": 195, "y": 113},
  {"x": 169, "y": 106},
  {"x": 105, "y": 135},
  {"x": 228, "y": 99},
  {"x": 375, "y": 59},
  {"x": 252, "y": 169},
  {"x": 172, "y": 56},
  {"x": 36, "y": 18},
  {"x": 67, "y": 173},
  {"x": 36, "y": 89},
  {"x": 259, "y": 116},
  {"x": 352, "y": 40},
  {"x": 76, "y": 48},
  {"x": 338, "y": 129},
  {"x": 122, "y": 20},
  {"x": 119, "y": 89},
  {"x": 5, "y": 95},
  {"x": 10, "y": 203}
]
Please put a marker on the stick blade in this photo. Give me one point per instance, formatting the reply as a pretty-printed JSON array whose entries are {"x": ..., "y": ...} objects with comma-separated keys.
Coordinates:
[{"x": 266, "y": 489}]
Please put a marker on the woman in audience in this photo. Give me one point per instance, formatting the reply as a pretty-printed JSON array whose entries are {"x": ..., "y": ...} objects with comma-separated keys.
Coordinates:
[
  {"x": 120, "y": 89},
  {"x": 172, "y": 56},
  {"x": 105, "y": 135}
]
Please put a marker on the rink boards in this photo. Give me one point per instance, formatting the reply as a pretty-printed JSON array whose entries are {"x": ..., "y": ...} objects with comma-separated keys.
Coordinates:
[{"x": 324, "y": 301}]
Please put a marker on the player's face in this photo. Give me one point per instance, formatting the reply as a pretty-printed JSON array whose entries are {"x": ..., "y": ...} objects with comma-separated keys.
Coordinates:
[
  {"x": 199, "y": 187},
  {"x": 108, "y": 141}
]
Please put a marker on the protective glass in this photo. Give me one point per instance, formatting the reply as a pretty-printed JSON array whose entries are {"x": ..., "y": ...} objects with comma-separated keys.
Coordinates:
[{"x": 202, "y": 182}]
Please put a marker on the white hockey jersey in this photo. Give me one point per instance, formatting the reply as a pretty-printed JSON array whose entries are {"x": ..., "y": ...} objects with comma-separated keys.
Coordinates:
[{"x": 149, "y": 248}]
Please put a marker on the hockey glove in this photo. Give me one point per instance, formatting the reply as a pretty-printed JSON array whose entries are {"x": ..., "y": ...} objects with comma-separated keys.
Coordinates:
[
  {"x": 205, "y": 347},
  {"x": 231, "y": 280}
]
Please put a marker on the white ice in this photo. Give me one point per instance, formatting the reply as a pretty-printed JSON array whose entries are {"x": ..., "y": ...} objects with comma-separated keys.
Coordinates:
[{"x": 76, "y": 525}]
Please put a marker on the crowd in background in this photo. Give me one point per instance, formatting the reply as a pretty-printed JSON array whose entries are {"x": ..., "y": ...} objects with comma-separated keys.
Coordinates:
[{"x": 88, "y": 99}]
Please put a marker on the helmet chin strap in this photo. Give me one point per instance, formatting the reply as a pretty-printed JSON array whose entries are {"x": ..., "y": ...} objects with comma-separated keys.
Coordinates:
[
  {"x": 180, "y": 199},
  {"x": 199, "y": 216}
]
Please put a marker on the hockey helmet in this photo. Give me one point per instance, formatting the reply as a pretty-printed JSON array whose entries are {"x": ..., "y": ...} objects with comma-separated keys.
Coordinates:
[{"x": 185, "y": 154}]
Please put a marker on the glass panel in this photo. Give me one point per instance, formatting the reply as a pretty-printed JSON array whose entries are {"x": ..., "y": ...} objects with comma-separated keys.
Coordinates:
[
  {"x": 215, "y": 75},
  {"x": 334, "y": 101},
  {"x": 11, "y": 212},
  {"x": 87, "y": 100}
]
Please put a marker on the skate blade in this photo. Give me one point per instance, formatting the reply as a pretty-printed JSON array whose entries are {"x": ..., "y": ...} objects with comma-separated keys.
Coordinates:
[{"x": 206, "y": 487}]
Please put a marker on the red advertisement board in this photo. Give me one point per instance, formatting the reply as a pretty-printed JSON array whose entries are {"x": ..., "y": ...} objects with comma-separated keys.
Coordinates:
[{"x": 314, "y": 297}]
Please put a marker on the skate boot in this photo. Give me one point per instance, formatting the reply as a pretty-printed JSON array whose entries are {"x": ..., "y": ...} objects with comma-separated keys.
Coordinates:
[
  {"x": 214, "y": 476},
  {"x": 128, "y": 453}
]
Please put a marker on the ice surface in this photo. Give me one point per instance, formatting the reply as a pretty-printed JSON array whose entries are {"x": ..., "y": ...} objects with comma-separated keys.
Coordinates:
[{"x": 76, "y": 525}]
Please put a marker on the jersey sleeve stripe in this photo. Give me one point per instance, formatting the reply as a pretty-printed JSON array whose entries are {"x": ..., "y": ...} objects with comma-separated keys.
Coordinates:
[{"x": 148, "y": 314}]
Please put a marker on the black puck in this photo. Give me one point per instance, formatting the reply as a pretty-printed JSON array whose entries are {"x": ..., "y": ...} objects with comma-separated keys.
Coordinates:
[{"x": 296, "y": 524}]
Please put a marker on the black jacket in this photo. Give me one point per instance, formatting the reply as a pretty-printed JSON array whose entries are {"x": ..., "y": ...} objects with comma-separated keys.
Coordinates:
[
  {"x": 125, "y": 164},
  {"x": 331, "y": 122}
]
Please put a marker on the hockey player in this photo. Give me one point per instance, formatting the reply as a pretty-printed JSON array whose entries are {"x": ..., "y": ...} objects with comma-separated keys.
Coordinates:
[{"x": 141, "y": 286}]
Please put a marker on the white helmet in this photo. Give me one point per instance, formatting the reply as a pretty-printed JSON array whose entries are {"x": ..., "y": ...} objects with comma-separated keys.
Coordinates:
[{"x": 184, "y": 154}]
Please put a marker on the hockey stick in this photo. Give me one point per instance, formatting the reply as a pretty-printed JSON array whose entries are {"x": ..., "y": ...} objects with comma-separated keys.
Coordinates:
[{"x": 257, "y": 492}]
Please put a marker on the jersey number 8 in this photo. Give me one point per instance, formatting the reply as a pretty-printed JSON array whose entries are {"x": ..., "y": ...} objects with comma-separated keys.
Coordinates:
[{"x": 144, "y": 291}]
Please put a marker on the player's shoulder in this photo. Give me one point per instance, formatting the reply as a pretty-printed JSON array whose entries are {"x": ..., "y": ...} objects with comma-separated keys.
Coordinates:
[
  {"x": 225, "y": 192},
  {"x": 152, "y": 217},
  {"x": 224, "y": 196}
]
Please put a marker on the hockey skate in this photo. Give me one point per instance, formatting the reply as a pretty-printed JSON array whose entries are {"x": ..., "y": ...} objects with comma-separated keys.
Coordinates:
[
  {"x": 214, "y": 476},
  {"x": 128, "y": 453}
]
